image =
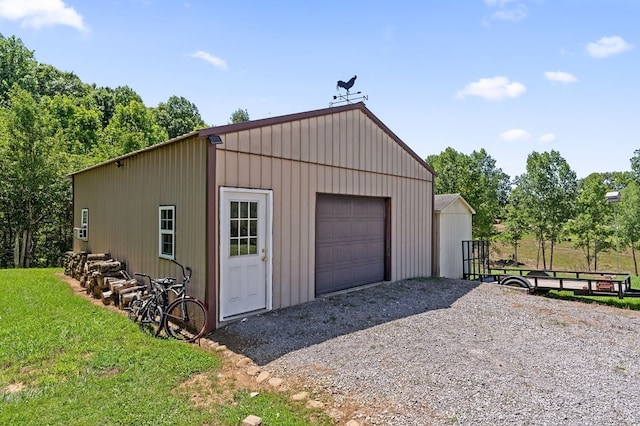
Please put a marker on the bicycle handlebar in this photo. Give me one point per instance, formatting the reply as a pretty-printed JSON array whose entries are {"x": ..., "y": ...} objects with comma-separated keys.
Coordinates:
[{"x": 185, "y": 277}]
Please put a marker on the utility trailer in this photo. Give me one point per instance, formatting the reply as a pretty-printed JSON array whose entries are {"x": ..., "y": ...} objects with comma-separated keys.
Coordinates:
[
  {"x": 581, "y": 283},
  {"x": 475, "y": 255}
]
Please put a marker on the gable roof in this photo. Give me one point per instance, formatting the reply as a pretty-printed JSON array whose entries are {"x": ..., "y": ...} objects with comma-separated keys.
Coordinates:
[
  {"x": 252, "y": 124},
  {"x": 443, "y": 201}
]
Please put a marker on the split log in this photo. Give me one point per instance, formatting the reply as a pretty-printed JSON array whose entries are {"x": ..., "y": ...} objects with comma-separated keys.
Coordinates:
[
  {"x": 110, "y": 267},
  {"x": 92, "y": 257},
  {"x": 83, "y": 281},
  {"x": 106, "y": 297}
]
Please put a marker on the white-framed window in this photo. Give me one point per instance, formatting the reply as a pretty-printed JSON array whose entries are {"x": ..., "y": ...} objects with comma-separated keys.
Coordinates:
[
  {"x": 84, "y": 218},
  {"x": 167, "y": 228},
  {"x": 82, "y": 233}
]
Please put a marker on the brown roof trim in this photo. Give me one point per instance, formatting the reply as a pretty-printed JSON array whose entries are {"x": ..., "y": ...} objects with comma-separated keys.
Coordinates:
[{"x": 247, "y": 125}]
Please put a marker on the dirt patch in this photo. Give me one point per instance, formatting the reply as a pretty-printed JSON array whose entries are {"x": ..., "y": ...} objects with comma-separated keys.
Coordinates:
[{"x": 14, "y": 388}]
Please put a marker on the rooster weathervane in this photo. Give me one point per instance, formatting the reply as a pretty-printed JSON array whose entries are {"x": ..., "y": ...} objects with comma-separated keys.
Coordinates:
[{"x": 346, "y": 85}]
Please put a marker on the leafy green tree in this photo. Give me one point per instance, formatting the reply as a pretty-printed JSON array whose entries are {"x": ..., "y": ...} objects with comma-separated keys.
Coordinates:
[
  {"x": 635, "y": 165},
  {"x": 178, "y": 116},
  {"x": 32, "y": 174},
  {"x": 629, "y": 219},
  {"x": 591, "y": 224},
  {"x": 76, "y": 127},
  {"x": 548, "y": 188},
  {"x": 515, "y": 224},
  {"x": 51, "y": 82},
  {"x": 17, "y": 67},
  {"x": 240, "y": 115},
  {"x": 477, "y": 179},
  {"x": 131, "y": 128}
]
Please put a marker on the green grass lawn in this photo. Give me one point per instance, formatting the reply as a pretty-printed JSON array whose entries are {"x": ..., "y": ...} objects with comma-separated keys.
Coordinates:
[{"x": 65, "y": 361}]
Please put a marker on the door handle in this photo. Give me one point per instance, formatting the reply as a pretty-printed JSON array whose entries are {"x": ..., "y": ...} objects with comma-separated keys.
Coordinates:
[{"x": 264, "y": 255}]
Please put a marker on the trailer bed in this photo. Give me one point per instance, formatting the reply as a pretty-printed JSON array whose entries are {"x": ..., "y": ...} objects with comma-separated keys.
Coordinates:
[{"x": 583, "y": 283}]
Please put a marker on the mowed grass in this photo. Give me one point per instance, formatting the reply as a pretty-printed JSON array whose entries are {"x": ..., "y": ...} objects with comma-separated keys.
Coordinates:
[
  {"x": 568, "y": 258},
  {"x": 65, "y": 361}
]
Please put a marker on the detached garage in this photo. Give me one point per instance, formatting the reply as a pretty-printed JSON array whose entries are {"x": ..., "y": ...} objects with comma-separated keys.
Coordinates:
[{"x": 268, "y": 213}]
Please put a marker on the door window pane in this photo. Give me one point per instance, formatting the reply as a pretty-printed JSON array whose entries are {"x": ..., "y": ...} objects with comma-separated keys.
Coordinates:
[{"x": 243, "y": 236}]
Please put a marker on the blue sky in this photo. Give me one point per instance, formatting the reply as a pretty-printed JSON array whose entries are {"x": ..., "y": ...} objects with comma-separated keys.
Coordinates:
[{"x": 509, "y": 76}]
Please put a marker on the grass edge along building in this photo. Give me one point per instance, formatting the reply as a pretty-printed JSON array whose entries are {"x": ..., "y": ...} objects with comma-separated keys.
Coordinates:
[{"x": 269, "y": 213}]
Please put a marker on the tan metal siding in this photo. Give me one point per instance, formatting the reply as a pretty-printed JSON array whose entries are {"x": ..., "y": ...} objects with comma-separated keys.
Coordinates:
[
  {"x": 355, "y": 157},
  {"x": 123, "y": 208}
]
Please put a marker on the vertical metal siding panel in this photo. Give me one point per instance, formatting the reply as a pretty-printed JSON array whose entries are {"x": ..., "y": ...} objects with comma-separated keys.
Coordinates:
[
  {"x": 362, "y": 142},
  {"x": 286, "y": 140},
  {"x": 266, "y": 172},
  {"x": 255, "y": 171},
  {"x": 342, "y": 179},
  {"x": 328, "y": 140},
  {"x": 231, "y": 169},
  {"x": 231, "y": 142},
  {"x": 276, "y": 178},
  {"x": 244, "y": 141},
  {"x": 305, "y": 149},
  {"x": 343, "y": 120},
  {"x": 255, "y": 146},
  {"x": 296, "y": 148},
  {"x": 243, "y": 170},
  {"x": 295, "y": 235},
  {"x": 314, "y": 180},
  {"x": 321, "y": 142},
  {"x": 276, "y": 140},
  {"x": 265, "y": 140},
  {"x": 350, "y": 142},
  {"x": 313, "y": 140},
  {"x": 286, "y": 234},
  {"x": 303, "y": 262},
  {"x": 335, "y": 140}
]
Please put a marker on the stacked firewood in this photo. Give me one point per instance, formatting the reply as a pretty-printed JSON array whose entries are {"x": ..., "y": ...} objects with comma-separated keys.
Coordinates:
[{"x": 102, "y": 277}]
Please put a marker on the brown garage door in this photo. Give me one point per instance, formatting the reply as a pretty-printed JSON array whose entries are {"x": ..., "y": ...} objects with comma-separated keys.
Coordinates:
[{"x": 350, "y": 242}]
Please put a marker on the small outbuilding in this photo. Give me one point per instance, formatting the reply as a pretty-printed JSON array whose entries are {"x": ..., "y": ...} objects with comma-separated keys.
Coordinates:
[
  {"x": 269, "y": 213},
  {"x": 453, "y": 224}
]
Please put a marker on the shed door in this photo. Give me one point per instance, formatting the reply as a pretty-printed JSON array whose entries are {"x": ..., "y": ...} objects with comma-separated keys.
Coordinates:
[{"x": 350, "y": 242}]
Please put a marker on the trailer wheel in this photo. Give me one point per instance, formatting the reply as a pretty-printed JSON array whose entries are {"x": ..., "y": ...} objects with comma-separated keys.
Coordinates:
[{"x": 516, "y": 281}]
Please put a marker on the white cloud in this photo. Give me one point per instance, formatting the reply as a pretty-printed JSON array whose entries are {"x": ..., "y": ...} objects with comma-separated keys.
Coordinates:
[
  {"x": 492, "y": 89},
  {"x": 515, "y": 135},
  {"x": 41, "y": 13},
  {"x": 515, "y": 14},
  {"x": 547, "y": 138},
  {"x": 213, "y": 60},
  {"x": 608, "y": 46},
  {"x": 494, "y": 3},
  {"x": 562, "y": 77}
]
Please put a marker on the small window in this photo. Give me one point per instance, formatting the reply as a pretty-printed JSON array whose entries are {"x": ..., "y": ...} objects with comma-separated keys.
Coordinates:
[
  {"x": 167, "y": 222},
  {"x": 243, "y": 236},
  {"x": 84, "y": 218}
]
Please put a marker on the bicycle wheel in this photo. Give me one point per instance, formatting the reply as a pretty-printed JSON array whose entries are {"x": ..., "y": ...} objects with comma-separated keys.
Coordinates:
[
  {"x": 186, "y": 319},
  {"x": 133, "y": 310},
  {"x": 151, "y": 321}
]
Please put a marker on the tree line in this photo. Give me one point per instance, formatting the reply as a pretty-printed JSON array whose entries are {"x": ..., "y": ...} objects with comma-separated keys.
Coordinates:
[
  {"x": 51, "y": 124},
  {"x": 547, "y": 201}
]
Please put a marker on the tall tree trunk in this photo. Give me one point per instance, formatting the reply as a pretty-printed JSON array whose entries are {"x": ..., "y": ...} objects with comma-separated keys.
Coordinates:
[
  {"x": 635, "y": 262},
  {"x": 551, "y": 257},
  {"x": 544, "y": 256},
  {"x": 16, "y": 251}
]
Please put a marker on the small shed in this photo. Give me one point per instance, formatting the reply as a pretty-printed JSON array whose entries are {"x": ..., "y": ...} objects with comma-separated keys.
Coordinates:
[
  {"x": 452, "y": 225},
  {"x": 268, "y": 213}
]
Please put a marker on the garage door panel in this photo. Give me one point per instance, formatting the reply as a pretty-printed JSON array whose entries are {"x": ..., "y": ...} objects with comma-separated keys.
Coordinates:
[{"x": 350, "y": 242}]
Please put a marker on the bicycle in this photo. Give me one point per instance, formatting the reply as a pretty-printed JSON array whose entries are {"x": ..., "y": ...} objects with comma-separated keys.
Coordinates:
[
  {"x": 148, "y": 309},
  {"x": 186, "y": 318}
]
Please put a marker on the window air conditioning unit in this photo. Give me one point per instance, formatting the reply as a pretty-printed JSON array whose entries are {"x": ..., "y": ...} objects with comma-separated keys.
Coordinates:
[{"x": 80, "y": 234}]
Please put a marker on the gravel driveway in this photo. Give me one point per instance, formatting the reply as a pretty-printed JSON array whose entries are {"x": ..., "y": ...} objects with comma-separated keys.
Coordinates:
[{"x": 438, "y": 352}]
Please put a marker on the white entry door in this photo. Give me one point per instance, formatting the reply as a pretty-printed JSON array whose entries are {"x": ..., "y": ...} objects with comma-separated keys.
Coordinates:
[{"x": 245, "y": 251}]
